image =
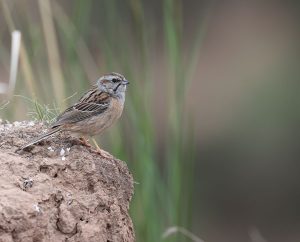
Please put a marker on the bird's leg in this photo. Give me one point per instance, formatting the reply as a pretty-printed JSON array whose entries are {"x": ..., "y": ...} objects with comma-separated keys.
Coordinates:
[
  {"x": 101, "y": 152},
  {"x": 84, "y": 141}
]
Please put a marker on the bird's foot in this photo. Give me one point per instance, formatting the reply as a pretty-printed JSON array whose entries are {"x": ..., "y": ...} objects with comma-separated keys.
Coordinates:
[
  {"x": 103, "y": 153},
  {"x": 81, "y": 141},
  {"x": 84, "y": 142}
]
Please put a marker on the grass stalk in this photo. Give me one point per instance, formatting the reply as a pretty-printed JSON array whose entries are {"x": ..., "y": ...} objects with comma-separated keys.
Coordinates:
[
  {"x": 24, "y": 58},
  {"x": 15, "y": 52},
  {"x": 52, "y": 50}
]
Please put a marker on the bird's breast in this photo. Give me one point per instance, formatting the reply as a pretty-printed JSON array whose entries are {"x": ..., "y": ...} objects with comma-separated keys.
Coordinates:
[{"x": 97, "y": 124}]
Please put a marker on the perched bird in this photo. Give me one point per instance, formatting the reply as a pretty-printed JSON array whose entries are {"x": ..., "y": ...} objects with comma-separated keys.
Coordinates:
[{"x": 95, "y": 111}]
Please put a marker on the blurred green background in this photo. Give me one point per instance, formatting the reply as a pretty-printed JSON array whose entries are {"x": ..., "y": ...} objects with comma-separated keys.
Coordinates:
[{"x": 210, "y": 127}]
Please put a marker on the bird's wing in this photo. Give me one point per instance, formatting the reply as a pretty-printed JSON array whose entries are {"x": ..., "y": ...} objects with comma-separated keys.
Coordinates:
[{"x": 93, "y": 103}]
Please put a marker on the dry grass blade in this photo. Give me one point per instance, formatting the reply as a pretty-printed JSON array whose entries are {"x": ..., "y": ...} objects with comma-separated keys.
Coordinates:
[
  {"x": 4, "y": 104},
  {"x": 255, "y": 235},
  {"x": 3, "y": 88},
  {"x": 52, "y": 50},
  {"x": 24, "y": 59},
  {"x": 173, "y": 230},
  {"x": 15, "y": 53},
  {"x": 84, "y": 55}
]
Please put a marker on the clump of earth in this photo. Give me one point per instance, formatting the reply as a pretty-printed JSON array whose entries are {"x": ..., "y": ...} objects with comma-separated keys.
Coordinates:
[{"x": 59, "y": 190}]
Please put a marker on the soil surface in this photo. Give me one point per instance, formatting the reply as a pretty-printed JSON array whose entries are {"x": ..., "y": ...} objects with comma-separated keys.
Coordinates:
[{"x": 59, "y": 190}]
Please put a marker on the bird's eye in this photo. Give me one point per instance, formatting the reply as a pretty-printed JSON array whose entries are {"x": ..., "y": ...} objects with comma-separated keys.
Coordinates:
[{"x": 115, "y": 80}]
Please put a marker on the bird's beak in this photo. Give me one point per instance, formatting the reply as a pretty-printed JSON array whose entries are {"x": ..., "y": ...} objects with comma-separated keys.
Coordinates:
[{"x": 125, "y": 82}]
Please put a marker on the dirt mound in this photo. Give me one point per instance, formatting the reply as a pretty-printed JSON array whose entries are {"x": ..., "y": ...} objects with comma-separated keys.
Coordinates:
[{"x": 60, "y": 190}]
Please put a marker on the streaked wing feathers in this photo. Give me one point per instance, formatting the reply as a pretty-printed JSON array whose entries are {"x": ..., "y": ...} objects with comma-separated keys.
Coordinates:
[{"x": 84, "y": 109}]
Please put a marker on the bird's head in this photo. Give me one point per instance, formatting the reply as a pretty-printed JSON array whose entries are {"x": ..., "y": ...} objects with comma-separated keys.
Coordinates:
[{"x": 113, "y": 83}]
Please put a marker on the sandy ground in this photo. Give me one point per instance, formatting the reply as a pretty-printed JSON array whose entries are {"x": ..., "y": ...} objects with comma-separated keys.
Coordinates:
[{"x": 60, "y": 191}]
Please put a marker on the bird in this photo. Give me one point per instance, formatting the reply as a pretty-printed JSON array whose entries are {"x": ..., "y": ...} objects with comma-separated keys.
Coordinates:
[{"x": 97, "y": 110}]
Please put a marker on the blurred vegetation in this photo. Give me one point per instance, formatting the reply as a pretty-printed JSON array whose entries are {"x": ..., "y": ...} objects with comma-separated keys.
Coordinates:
[{"x": 66, "y": 45}]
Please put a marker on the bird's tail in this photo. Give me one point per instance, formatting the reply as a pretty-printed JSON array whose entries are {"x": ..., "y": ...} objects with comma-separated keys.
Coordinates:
[{"x": 40, "y": 138}]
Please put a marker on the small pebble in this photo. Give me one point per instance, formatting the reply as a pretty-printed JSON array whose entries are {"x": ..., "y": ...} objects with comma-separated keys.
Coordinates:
[
  {"x": 17, "y": 124},
  {"x": 50, "y": 152},
  {"x": 31, "y": 123},
  {"x": 62, "y": 152},
  {"x": 27, "y": 183},
  {"x": 37, "y": 208},
  {"x": 8, "y": 125}
]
